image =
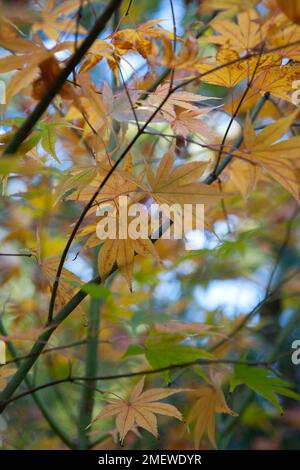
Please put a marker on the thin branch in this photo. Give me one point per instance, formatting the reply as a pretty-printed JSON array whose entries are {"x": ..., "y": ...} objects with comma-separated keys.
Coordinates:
[
  {"x": 174, "y": 41},
  {"x": 38, "y": 400},
  {"x": 25, "y": 255},
  {"x": 53, "y": 349},
  {"x": 232, "y": 119},
  {"x": 129, "y": 99},
  {"x": 126, "y": 375},
  {"x": 128, "y": 8}
]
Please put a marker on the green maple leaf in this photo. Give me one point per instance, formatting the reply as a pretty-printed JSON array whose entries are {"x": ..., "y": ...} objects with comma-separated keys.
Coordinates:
[{"x": 262, "y": 381}]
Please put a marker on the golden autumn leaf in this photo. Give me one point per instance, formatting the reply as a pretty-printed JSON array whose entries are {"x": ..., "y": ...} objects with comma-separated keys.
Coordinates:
[
  {"x": 139, "y": 39},
  {"x": 283, "y": 33},
  {"x": 140, "y": 409},
  {"x": 232, "y": 7},
  {"x": 118, "y": 195},
  {"x": 54, "y": 19},
  {"x": 274, "y": 78},
  {"x": 209, "y": 401},
  {"x": 122, "y": 182},
  {"x": 126, "y": 140},
  {"x": 100, "y": 49},
  {"x": 180, "y": 185},
  {"x": 262, "y": 151},
  {"x": 122, "y": 253},
  {"x": 187, "y": 57},
  {"x": 226, "y": 75},
  {"x": 31, "y": 61},
  {"x": 246, "y": 34},
  {"x": 291, "y": 8}
]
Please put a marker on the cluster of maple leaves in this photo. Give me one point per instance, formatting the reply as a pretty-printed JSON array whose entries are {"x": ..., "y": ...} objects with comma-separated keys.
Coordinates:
[{"x": 250, "y": 54}]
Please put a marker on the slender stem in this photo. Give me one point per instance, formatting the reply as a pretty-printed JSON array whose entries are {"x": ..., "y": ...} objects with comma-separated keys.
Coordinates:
[
  {"x": 25, "y": 255},
  {"x": 126, "y": 375},
  {"x": 91, "y": 367},
  {"x": 236, "y": 111},
  {"x": 223, "y": 164},
  {"x": 54, "y": 349}
]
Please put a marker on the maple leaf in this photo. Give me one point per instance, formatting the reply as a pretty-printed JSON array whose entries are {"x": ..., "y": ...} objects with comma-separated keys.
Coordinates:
[
  {"x": 232, "y": 7},
  {"x": 140, "y": 409},
  {"x": 139, "y": 39},
  {"x": 291, "y": 8},
  {"x": 283, "y": 34},
  {"x": 179, "y": 185},
  {"x": 122, "y": 253},
  {"x": 179, "y": 110},
  {"x": 275, "y": 78},
  {"x": 166, "y": 350},
  {"x": 262, "y": 382},
  {"x": 187, "y": 57},
  {"x": 209, "y": 401},
  {"x": 53, "y": 19},
  {"x": 33, "y": 59},
  {"x": 229, "y": 75},
  {"x": 121, "y": 182},
  {"x": 264, "y": 152},
  {"x": 117, "y": 251},
  {"x": 99, "y": 50},
  {"x": 180, "y": 99},
  {"x": 246, "y": 34}
]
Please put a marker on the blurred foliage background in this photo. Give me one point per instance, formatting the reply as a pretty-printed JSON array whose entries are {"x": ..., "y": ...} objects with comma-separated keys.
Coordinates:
[{"x": 218, "y": 283}]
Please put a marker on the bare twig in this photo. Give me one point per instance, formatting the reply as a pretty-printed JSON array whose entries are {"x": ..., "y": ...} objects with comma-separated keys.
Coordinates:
[{"x": 73, "y": 379}]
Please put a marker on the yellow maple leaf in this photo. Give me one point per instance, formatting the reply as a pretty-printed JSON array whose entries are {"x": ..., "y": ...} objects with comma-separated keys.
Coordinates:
[
  {"x": 276, "y": 79},
  {"x": 117, "y": 249},
  {"x": 187, "y": 57},
  {"x": 27, "y": 63},
  {"x": 265, "y": 152},
  {"x": 246, "y": 34},
  {"x": 284, "y": 35},
  {"x": 140, "y": 409},
  {"x": 291, "y": 8},
  {"x": 179, "y": 185},
  {"x": 226, "y": 75},
  {"x": 139, "y": 39},
  {"x": 231, "y": 7},
  {"x": 122, "y": 253},
  {"x": 54, "y": 19},
  {"x": 209, "y": 401}
]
